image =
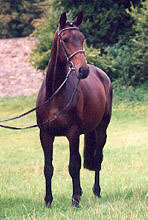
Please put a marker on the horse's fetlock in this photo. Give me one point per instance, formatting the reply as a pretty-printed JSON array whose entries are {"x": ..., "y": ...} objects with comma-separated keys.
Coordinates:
[
  {"x": 97, "y": 191},
  {"x": 75, "y": 200},
  {"x": 48, "y": 200}
]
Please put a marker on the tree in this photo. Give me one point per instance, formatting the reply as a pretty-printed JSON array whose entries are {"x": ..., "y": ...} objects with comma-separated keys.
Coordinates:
[
  {"x": 124, "y": 60},
  {"x": 16, "y": 17},
  {"x": 128, "y": 63},
  {"x": 140, "y": 43},
  {"x": 105, "y": 21}
]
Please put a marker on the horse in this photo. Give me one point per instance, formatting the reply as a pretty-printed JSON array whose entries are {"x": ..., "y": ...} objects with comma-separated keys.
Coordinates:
[{"x": 88, "y": 111}]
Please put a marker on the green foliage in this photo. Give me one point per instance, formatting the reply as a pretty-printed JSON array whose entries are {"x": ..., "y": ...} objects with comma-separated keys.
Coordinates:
[
  {"x": 104, "y": 62},
  {"x": 117, "y": 62},
  {"x": 130, "y": 95},
  {"x": 16, "y": 17},
  {"x": 140, "y": 43},
  {"x": 121, "y": 62},
  {"x": 105, "y": 21},
  {"x": 126, "y": 63},
  {"x": 44, "y": 32}
]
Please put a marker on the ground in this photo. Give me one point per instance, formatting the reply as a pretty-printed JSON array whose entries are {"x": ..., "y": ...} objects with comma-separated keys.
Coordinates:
[{"x": 17, "y": 76}]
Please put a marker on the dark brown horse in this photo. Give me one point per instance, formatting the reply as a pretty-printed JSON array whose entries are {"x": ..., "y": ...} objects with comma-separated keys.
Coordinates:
[{"x": 88, "y": 113}]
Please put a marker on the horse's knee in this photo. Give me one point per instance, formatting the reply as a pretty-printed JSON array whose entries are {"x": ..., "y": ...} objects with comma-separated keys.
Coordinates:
[{"x": 48, "y": 171}]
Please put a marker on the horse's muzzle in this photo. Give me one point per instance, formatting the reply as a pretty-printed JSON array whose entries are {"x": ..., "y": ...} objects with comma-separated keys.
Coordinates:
[{"x": 83, "y": 72}]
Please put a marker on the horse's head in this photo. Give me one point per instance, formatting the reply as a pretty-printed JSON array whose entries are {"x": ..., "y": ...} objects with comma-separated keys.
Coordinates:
[{"x": 71, "y": 44}]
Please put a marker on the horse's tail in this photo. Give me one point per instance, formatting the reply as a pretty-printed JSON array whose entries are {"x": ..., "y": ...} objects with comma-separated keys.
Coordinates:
[{"x": 89, "y": 150}]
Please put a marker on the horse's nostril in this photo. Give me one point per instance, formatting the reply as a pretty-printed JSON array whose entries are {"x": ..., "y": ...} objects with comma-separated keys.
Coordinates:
[{"x": 83, "y": 72}]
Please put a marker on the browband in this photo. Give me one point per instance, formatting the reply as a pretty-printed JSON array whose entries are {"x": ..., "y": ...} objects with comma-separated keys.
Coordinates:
[{"x": 69, "y": 28}]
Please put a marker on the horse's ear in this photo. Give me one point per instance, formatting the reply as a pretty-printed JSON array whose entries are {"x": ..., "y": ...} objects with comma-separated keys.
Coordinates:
[
  {"x": 63, "y": 19},
  {"x": 78, "y": 19}
]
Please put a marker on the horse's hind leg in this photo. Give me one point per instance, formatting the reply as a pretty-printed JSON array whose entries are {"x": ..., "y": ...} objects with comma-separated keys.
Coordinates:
[
  {"x": 98, "y": 154},
  {"x": 47, "y": 145}
]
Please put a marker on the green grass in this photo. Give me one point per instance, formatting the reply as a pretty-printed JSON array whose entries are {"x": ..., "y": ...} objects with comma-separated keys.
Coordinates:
[{"x": 124, "y": 180}]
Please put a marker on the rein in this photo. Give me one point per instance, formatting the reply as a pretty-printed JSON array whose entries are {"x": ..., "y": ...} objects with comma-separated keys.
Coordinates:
[{"x": 65, "y": 109}]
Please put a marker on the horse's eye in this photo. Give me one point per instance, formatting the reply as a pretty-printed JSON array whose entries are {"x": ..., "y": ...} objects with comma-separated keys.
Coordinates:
[{"x": 65, "y": 40}]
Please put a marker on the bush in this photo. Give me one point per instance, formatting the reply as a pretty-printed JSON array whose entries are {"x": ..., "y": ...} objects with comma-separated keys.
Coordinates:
[
  {"x": 116, "y": 62},
  {"x": 121, "y": 62},
  {"x": 128, "y": 64},
  {"x": 44, "y": 33},
  {"x": 124, "y": 63},
  {"x": 104, "y": 62},
  {"x": 105, "y": 21},
  {"x": 16, "y": 17},
  {"x": 131, "y": 95},
  {"x": 140, "y": 43}
]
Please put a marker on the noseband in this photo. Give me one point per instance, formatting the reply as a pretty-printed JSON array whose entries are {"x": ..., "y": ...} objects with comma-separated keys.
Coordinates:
[{"x": 69, "y": 57}]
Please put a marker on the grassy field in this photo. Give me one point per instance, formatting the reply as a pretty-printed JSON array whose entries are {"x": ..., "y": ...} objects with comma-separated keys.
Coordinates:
[{"x": 123, "y": 178}]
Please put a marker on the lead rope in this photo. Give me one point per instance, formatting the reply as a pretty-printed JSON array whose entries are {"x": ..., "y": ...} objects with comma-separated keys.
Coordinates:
[
  {"x": 50, "y": 98},
  {"x": 55, "y": 93},
  {"x": 63, "y": 111}
]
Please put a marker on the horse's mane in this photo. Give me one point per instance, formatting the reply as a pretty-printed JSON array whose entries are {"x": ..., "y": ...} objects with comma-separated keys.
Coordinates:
[{"x": 51, "y": 66}]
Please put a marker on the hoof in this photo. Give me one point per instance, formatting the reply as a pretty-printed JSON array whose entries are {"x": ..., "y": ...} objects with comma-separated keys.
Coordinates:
[
  {"x": 48, "y": 201},
  {"x": 48, "y": 205},
  {"x": 96, "y": 192},
  {"x": 75, "y": 202}
]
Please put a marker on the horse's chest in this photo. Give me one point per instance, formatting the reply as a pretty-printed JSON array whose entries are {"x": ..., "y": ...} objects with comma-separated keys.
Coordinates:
[{"x": 59, "y": 122}]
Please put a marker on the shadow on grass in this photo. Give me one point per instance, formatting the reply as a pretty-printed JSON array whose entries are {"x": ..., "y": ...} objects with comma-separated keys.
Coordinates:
[
  {"x": 18, "y": 207},
  {"x": 117, "y": 196},
  {"x": 125, "y": 195},
  {"x": 15, "y": 208}
]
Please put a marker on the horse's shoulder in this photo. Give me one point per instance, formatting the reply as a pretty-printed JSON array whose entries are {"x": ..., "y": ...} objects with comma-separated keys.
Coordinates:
[{"x": 102, "y": 76}]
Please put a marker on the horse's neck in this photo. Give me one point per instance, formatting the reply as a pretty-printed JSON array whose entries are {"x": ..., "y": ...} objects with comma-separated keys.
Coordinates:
[{"x": 56, "y": 71}]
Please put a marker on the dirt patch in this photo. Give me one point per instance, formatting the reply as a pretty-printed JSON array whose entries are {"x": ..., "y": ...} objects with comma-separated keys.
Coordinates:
[{"x": 17, "y": 76}]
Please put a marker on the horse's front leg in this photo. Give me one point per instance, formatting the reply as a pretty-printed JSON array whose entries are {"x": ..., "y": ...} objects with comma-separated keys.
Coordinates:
[
  {"x": 47, "y": 145},
  {"x": 74, "y": 166}
]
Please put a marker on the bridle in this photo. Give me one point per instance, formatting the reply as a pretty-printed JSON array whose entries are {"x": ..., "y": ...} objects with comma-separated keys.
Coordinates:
[
  {"x": 68, "y": 57},
  {"x": 65, "y": 109}
]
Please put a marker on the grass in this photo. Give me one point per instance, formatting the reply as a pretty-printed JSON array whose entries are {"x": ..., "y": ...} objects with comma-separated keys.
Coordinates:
[{"x": 123, "y": 177}]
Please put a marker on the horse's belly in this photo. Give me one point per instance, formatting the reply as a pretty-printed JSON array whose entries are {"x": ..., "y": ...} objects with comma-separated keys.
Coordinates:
[{"x": 92, "y": 117}]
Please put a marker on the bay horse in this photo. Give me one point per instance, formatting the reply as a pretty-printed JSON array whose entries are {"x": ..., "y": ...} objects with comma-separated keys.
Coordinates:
[{"x": 88, "y": 113}]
